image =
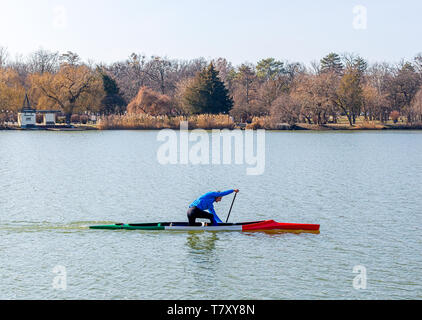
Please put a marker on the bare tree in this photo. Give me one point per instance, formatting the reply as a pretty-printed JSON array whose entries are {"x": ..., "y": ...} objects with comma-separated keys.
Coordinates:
[
  {"x": 4, "y": 55},
  {"x": 402, "y": 88},
  {"x": 317, "y": 96},
  {"x": 71, "y": 88},
  {"x": 130, "y": 75},
  {"x": 159, "y": 69},
  {"x": 20, "y": 65},
  {"x": 42, "y": 61},
  {"x": 225, "y": 70},
  {"x": 417, "y": 106},
  {"x": 375, "y": 104},
  {"x": 417, "y": 61},
  {"x": 315, "y": 67},
  {"x": 70, "y": 58},
  {"x": 245, "y": 89},
  {"x": 286, "y": 109}
]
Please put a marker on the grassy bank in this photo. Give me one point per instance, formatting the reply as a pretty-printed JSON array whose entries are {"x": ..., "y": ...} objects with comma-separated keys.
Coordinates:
[
  {"x": 364, "y": 126},
  {"x": 342, "y": 124}
]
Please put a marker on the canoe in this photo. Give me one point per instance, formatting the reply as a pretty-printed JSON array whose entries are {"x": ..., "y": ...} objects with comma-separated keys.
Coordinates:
[{"x": 260, "y": 226}]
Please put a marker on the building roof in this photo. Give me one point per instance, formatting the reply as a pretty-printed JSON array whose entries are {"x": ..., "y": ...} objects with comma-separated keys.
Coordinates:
[
  {"x": 26, "y": 107},
  {"x": 48, "y": 111}
]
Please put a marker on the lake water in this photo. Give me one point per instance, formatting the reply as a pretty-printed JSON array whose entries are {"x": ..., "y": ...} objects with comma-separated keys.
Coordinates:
[{"x": 364, "y": 188}]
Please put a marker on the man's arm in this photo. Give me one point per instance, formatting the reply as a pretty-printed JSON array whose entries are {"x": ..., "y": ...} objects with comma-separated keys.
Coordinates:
[
  {"x": 215, "y": 214},
  {"x": 223, "y": 194}
]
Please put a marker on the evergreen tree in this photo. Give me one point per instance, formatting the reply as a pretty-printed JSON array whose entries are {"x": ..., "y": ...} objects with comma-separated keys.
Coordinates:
[
  {"x": 113, "y": 102},
  {"x": 207, "y": 93},
  {"x": 361, "y": 65},
  {"x": 270, "y": 69},
  {"x": 332, "y": 63}
]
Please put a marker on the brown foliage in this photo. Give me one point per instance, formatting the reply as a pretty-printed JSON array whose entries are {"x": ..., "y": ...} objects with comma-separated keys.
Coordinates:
[
  {"x": 286, "y": 108},
  {"x": 150, "y": 102},
  {"x": 11, "y": 90},
  {"x": 375, "y": 104},
  {"x": 416, "y": 109},
  {"x": 73, "y": 88},
  {"x": 316, "y": 95},
  {"x": 395, "y": 115}
]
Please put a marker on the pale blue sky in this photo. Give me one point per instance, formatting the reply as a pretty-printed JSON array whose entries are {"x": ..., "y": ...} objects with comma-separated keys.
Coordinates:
[{"x": 240, "y": 30}]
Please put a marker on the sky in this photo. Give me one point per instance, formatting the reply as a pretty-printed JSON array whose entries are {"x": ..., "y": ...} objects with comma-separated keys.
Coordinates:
[{"x": 238, "y": 30}]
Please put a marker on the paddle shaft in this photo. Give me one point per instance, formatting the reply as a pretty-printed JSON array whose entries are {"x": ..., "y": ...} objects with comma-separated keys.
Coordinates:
[{"x": 231, "y": 208}]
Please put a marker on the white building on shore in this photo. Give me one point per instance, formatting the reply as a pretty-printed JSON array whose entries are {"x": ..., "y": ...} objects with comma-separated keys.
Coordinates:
[
  {"x": 49, "y": 117},
  {"x": 27, "y": 118}
]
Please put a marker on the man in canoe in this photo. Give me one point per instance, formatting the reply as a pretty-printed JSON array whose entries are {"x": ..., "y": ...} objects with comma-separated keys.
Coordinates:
[{"x": 206, "y": 202}]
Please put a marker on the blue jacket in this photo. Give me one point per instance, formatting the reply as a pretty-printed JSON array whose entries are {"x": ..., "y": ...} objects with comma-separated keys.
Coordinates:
[{"x": 206, "y": 202}]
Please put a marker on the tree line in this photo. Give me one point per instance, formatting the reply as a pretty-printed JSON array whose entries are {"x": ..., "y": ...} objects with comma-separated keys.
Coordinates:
[{"x": 289, "y": 92}]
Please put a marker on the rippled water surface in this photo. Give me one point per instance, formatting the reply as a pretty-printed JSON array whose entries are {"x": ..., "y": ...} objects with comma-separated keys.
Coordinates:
[{"x": 364, "y": 188}]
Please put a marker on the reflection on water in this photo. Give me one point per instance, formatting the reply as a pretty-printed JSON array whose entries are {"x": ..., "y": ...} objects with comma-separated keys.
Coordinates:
[
  {"x": 202, "y": 259},
  {"x": 45, "y": 226},
  {"x": 201, "y": 242}
]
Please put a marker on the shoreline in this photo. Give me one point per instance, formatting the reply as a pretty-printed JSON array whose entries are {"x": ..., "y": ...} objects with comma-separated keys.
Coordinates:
[{"x": 297, "y": 127}]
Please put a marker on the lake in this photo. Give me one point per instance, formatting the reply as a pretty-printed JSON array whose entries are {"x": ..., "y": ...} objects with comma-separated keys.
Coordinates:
[{"x": 363, "y": 188}]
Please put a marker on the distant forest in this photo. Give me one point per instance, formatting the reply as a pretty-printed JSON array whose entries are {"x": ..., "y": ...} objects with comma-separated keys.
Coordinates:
[{"x": 337, "y": 85}]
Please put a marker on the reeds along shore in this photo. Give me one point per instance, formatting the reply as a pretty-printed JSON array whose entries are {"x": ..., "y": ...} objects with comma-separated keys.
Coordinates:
[
  {"x": 148, "y": 122},
  {"x": 209, "y": 122}
]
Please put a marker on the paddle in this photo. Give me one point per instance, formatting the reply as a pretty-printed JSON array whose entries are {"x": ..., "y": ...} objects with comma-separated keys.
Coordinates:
[{"x": 231, "y": 207}]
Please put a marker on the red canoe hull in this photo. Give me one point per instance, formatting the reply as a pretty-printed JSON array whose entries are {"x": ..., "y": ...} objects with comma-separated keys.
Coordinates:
[{"x": 276, "y": 226}]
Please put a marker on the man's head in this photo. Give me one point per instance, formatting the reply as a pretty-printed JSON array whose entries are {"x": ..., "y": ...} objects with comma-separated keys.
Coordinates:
[{"x": 218, "y": 199}]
